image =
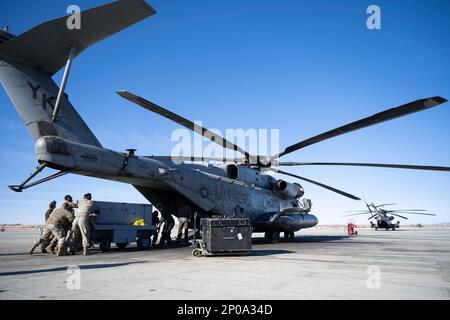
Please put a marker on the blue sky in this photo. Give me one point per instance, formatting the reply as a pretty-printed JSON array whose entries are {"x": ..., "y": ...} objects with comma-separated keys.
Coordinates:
[{"x": 303, "y": 67}]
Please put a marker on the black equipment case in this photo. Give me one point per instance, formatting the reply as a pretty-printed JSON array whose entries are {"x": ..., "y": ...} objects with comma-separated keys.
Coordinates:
[{"x": 227, "y": 236}]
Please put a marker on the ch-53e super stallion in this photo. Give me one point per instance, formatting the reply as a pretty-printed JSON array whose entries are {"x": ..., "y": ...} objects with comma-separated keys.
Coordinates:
[
  {"x": 384, "y": 218},
  {"x": 237, "y": 187}
]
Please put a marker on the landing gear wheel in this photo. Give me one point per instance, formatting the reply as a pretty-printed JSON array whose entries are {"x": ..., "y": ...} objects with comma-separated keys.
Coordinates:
[
  {"x": 121, "y": 245},
  {"x": 144, "y": 243},
  {"x": 272, "y": 236},
  {"x": 105, "y": 244},
  {"x": 289, "y": 236},
  {"x": 268, "y": 237}
]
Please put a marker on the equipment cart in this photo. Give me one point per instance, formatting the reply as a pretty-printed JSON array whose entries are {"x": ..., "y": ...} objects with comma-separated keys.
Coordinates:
[{"x": 117, "y": 224}]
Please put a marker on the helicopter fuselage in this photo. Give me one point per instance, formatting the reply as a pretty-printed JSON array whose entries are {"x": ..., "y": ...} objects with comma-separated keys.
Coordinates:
[
  {"x": 383, "y": 221},
  {"x": 226, "y": 190}
]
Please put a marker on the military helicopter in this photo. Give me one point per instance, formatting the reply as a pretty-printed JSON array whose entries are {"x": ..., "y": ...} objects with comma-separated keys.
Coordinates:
[
  {"x": 385, "y": 218},
  {"x": 236, "y": 187}
]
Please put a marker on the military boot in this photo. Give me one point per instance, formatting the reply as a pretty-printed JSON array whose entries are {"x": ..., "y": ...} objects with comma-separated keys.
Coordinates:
[
  {"x": 85, "y": 250},
  {"x": 33, "y": 248},
  {"x": 59, "y": 251},
  {"x": 71, "y": 251}
]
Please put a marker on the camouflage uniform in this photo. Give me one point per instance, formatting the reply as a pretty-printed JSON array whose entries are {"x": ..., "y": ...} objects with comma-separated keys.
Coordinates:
[
  {"x": 169, "y": 223},
  {"x": 55, "y": 227},
  {"x": 157, "y": 223},
  {"x": 81, "y": 225},
  {"x": 54, "y": 241},
  {"x": 48, "y": 213},
  {"x": 184, "y": 218}
]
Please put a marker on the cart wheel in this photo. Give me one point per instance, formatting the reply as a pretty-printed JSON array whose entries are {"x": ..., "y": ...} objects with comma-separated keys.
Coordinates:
[
  {"x": 196, "y": 252},
  {"x": 105, "y": 244},
  {"x": 144, "y": 243},
  {"x": 121, "y": 245}
]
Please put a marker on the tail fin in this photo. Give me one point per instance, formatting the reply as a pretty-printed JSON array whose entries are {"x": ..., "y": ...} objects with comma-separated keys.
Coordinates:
[{"x": 28, "y": 61}]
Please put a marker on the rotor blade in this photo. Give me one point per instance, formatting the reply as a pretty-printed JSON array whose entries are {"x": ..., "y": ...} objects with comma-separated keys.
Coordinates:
[
  {"x": 367, "y": 205},
  {"x": 196, "y": 159},
  {"x": 385, "y": 204},
  {"x": 418, "y": 213},
  {"x": 399, "y": 216},
  {"x": 357, "y": 211},
  {"x": 422, "y": 210},
  {"x": 376, "y": 165},
  {"x": 356, "y": 214},
  {"x": 372, "y": 216},
  {"x": 181, "y": 121},
  {"x": 377, "y": 118},
  {"x": 345, "y": 194}
]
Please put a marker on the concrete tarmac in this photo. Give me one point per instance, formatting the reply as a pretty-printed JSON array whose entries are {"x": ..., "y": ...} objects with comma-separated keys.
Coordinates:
[{"x": 318, "y": 264}]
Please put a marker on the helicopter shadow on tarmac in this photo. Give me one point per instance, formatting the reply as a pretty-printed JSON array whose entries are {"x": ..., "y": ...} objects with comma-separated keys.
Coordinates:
[
  {"x": 301, "y": 239},
  {"x": 276, "y": 248},
  {"x": 82, "y": 267}
]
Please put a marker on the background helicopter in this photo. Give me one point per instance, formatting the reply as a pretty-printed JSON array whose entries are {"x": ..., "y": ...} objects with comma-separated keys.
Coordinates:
[{"x": 384, "y": 219}]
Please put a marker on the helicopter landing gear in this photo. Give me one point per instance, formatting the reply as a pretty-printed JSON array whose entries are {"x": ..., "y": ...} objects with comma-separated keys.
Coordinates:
[
  {"x": 272, "y": 236},
  {"x": 289, "y": 236}
]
